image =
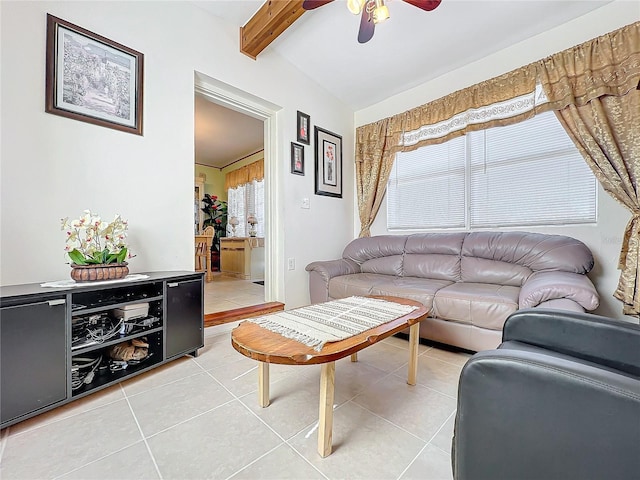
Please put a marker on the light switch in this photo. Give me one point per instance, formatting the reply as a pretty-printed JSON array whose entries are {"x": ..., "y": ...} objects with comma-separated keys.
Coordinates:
[{"x": 305, "y": 203}]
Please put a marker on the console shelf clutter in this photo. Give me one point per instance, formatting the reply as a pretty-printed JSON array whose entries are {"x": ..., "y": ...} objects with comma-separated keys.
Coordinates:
[{"x": 58, "y": 344}]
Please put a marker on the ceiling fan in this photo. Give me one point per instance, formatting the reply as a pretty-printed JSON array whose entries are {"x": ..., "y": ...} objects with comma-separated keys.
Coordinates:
[{"x": 373, "y": 12}]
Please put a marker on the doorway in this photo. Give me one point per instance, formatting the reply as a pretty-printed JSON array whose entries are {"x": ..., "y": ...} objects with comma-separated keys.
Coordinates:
[
  {"x": 229, "y": 145},
  {"x": 252, "y": 108}
]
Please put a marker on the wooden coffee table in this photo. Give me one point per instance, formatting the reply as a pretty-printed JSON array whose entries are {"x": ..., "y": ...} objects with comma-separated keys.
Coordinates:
[{"x": 268, "y": 347}]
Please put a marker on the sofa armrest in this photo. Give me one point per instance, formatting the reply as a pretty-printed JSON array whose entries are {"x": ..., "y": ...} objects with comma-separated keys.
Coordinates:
[
  {"x": 321, "y": 272},
  {"x": 543, "y": 286},
  {"x": 561, "y": 304},
  {"x": 547, "y": 417},
  {"x": 613, "y": 343},
  {"x": 333, "y": 268}
]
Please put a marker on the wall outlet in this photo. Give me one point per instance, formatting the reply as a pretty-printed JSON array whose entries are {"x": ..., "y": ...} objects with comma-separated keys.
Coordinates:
[{"x": 291, "y": 263}]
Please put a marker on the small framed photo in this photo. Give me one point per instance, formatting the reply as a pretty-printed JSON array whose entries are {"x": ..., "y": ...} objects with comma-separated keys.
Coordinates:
[
  {"x": 92, "y": 79},
  {"x": 328, "y": 163},
  {"x": 304, "y": 124},
  {"x": 297, "y": 158}
]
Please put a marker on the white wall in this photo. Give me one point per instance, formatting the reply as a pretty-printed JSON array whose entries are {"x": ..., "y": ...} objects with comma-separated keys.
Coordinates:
[
  {"x": 605, "y": 238},
  {"x": 52, "y": 167}
]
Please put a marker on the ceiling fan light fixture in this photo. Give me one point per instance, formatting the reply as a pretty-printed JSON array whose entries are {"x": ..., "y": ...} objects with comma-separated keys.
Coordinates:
[
  {"x": 381, "y": 12},
  {"x": 355, "y": 6}
]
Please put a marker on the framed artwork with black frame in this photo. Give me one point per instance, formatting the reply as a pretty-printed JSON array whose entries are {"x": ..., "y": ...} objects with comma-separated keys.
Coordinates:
[
  {"x": 303, "y": 125},
  {"x": 297, "y": 158},
  {"x": 92, "y": 79},
  {"x": 328, "y": 163}
]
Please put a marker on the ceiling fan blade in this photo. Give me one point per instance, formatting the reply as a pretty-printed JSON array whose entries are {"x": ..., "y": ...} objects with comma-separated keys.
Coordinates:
[
  {"x": 311, "y": 4},
  {"x": 427, "y": 5},
  {"x": 367, "y": 27}
]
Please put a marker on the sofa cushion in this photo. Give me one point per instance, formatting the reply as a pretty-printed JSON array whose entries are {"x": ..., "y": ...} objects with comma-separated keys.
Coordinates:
[
  {"x": 355, "y": 284},
  {"x": 484, "y": 305},
  {"x": 433, "y": 255},
  {"x": 362, "y": 249},
  {"x": 482, "y": 270},
  {"x": 420, "y": 289},
  {"x": 391, "y": 265},
  {"x": 440, "y": 267},
  {"x": 535, "y": 251},
  {"x": 381, "y": 254}
]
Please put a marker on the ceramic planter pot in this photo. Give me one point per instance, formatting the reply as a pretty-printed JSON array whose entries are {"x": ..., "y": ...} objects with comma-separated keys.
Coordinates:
[{"x": 90, "y": 273}]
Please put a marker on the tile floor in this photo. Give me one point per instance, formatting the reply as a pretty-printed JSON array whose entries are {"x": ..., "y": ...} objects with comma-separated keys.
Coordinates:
[
  {"x": 228, "y": 293},
  {"x": 198, "y": 418}
]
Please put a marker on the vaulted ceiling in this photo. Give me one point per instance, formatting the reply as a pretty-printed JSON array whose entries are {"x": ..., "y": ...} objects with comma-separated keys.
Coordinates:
[{"x": 409, "y": 49}]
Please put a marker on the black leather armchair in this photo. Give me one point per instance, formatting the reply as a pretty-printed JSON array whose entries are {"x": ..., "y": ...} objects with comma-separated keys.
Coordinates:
[{"x": 558, "y": 399}]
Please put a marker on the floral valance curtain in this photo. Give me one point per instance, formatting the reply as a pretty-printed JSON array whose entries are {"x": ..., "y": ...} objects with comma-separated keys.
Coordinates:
[
  {"x": 244, "y": 175},
  {"x": 504, "y": 100},
  {"x": 606, "y": 67}
]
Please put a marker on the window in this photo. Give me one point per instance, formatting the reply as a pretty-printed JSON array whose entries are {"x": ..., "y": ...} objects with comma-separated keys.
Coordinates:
[
  {"x": 255, "y": 204},
  {"x": 529, "y": 173},
  {"x": 236, "y": 208},
  {"x": 245, "y": 200}
]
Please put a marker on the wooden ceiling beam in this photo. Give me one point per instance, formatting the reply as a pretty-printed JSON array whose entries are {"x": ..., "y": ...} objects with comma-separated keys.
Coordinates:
[{"x": 273, "y": 18}]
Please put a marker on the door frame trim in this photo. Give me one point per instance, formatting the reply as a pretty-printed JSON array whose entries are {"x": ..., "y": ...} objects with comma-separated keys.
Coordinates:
[{"x": 231, "y": 97}]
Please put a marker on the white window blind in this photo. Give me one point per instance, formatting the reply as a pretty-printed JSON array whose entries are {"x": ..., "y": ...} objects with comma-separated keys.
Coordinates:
[
  {"x": 427, "y": 187},
  {"x": 529, "y": 173}
]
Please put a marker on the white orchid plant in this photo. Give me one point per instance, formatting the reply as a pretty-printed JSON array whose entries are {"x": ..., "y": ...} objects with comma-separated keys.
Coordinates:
[{"x": 90, "y": 240}]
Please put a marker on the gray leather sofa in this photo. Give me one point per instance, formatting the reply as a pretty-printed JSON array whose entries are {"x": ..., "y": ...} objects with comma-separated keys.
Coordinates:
[
  {"x": 558, "y": 400},
  {"x": 470, "y": 281}
]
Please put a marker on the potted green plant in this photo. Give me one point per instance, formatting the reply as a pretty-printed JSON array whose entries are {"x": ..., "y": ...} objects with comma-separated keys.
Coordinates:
[
  {"x": 97, "y": 249},
  {"x": 216, "y": 211}
]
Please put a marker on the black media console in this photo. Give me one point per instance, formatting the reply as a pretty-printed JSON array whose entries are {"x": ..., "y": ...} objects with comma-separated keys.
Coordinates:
[{"x": 58, "y": 344}]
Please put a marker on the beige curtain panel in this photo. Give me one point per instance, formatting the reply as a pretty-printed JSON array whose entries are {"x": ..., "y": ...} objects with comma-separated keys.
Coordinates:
[
  {"x": 606, "y": 132},
  {"x": 594, "y": 88},
  {"x": 244, "y": 175},
  {"x": 374, "y": 158}
]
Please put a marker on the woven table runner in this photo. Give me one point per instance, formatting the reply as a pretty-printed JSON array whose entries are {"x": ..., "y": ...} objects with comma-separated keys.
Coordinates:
[{"x": 332, "y": 321}]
